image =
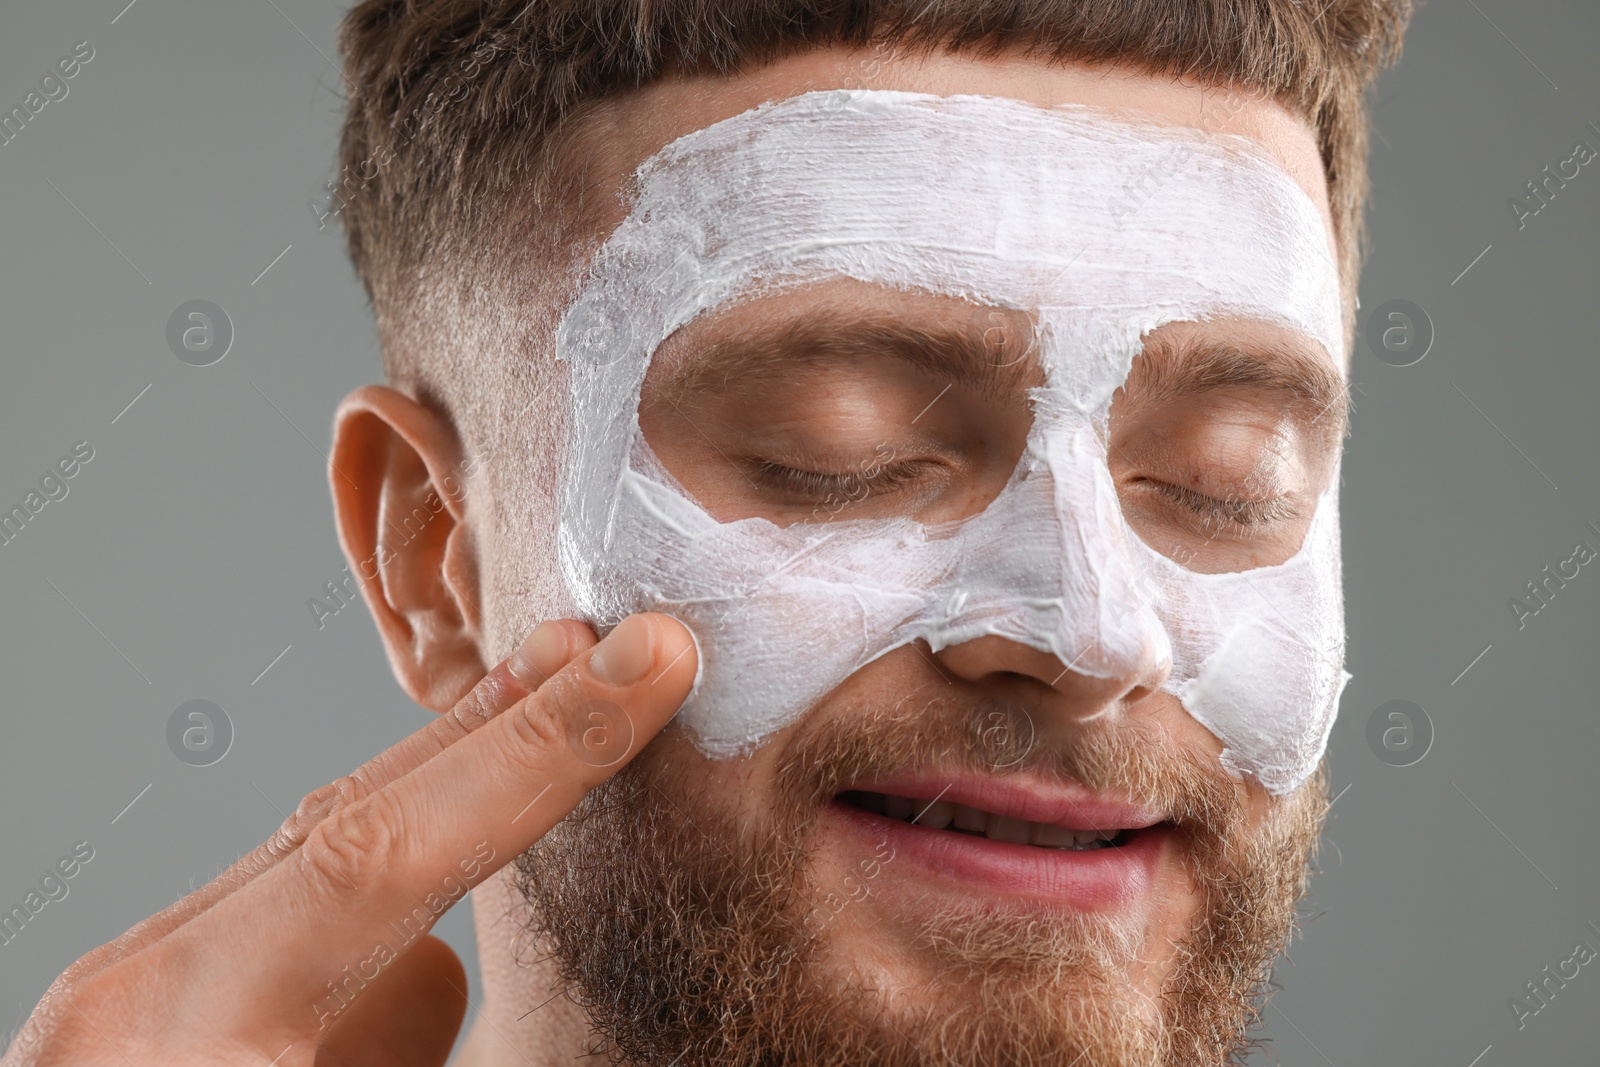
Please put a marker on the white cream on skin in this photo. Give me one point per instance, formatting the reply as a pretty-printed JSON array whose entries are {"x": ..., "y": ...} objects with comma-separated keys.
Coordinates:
[{"x": 995, "y": 202}]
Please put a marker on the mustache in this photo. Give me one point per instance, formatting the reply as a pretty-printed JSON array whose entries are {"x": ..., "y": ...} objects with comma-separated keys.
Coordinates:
[
  {"x": 1135, "y": 759},
  {"x": 680, "y": 920}
]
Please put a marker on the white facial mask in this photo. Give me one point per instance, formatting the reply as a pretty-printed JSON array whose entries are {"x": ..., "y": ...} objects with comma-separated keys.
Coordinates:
[{"x": 998, "y": 203}]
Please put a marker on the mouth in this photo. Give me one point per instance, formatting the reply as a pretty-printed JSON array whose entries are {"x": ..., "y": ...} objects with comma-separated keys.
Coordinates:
[
  {"x": 961, "y": 819},
  {"x": 1010, "y": 843}
]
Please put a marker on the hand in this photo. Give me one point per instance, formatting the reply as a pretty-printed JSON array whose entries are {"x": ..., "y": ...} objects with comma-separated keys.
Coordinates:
[{"x": 312, "y": 950}]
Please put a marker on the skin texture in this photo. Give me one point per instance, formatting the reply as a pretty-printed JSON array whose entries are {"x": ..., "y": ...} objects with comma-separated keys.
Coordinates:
[{"x": 253, "y": 952}]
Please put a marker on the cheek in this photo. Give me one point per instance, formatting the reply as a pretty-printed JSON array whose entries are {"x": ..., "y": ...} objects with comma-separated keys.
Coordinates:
[{"x": 742, "y": 787}]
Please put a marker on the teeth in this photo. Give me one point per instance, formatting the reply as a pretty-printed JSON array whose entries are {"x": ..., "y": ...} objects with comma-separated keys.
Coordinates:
[
  {"x": 1061, "y": 837},
  {"x": 942, "y": 815},
  {"x": 938, "y": 815},
  {"x": 1003, "y": 829},
  {"x": 1053, "y": 836},
  {"x": 971, "y": 819}
]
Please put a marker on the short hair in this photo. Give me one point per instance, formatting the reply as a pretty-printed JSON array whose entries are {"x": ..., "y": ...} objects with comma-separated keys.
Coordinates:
[{"x": 464, "y": 115}]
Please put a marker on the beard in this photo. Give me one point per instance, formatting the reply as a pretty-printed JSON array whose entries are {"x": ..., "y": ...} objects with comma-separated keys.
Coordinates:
[{"x": 686, "y": 930}]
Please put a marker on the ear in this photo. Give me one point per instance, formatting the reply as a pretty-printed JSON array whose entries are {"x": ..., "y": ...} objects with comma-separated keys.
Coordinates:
[{"x": 400, "y": 500}]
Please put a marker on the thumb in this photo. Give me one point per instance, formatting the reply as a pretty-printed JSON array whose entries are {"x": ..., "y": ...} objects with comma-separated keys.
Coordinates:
[{"x": 407, "y": 1017}]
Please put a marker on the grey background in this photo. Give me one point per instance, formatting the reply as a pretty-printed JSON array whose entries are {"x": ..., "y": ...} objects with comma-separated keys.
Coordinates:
[{"x": 179, "y": 565}]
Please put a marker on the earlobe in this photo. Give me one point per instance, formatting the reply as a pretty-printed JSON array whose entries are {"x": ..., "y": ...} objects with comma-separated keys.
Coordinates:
[{"x": 400, "y": 500}]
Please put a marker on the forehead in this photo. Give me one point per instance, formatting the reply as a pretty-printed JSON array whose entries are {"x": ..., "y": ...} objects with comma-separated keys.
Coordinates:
[
  {"x": 632, "y": 127},
  {"x": 1106, "y": 227}
]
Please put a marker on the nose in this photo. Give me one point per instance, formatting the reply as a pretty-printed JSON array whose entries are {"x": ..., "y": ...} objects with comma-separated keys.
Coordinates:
[{"x": 1074, "y": 693}]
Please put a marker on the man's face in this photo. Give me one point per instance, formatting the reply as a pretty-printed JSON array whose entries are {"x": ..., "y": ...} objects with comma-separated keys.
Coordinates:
[{"x": 975, "y": 854}]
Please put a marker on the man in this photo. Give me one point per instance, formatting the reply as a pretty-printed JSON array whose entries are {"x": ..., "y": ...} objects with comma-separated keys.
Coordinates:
[{"x": 794, "y": 347}]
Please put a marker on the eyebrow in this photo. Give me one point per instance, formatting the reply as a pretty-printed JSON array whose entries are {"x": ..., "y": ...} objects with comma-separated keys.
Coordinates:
[
  {"x": 993, "y": 352},
  {"x": 1167, "y": 371},
  {"x": 972, "y": 354}
]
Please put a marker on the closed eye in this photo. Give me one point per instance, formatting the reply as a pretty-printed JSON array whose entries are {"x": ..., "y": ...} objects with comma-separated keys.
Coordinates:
[
  {"x": 1220, "y": 514},
  {"x": 873, "y": 478}
]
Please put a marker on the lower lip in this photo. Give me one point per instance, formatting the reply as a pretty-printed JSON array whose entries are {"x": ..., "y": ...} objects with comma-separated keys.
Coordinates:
[{"x": 1099, "y": 879}]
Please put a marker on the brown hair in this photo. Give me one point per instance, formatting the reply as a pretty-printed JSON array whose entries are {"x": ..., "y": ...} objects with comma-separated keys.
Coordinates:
[{"x": 460, "y": 110}]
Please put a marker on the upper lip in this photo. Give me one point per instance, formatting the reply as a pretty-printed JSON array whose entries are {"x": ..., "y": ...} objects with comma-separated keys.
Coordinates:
[{"x": 1054, "y": 802}]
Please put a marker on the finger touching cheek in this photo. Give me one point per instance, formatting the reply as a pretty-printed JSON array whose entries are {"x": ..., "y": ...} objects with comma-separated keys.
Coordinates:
[
  {"x": 372, "y": 877},
  {"x": 550, "y": 647},
  {"x": 592, "y": 717}
]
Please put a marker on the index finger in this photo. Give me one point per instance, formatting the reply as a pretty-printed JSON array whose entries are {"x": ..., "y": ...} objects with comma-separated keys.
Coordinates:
[
  {"x": 548, "y": 648},
  {"x": 396, "y": 860}
]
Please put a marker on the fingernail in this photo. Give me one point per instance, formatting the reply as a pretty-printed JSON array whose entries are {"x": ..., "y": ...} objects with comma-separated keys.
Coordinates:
[
  {"x": 625, "y": 655},
  {"x": 541, "y": 654}
]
